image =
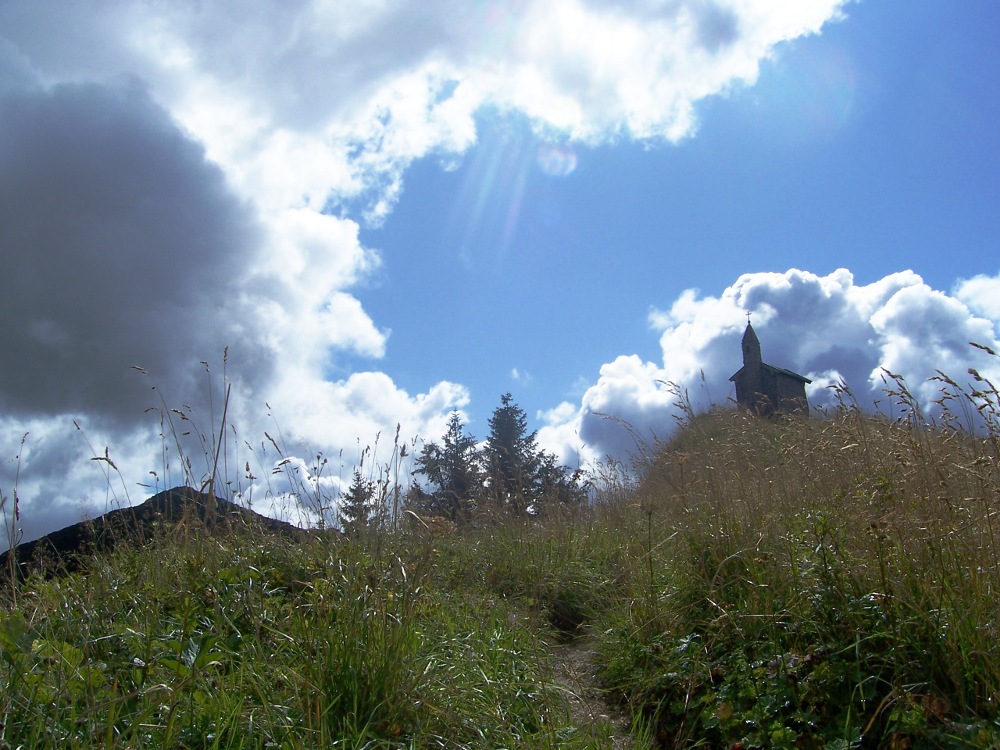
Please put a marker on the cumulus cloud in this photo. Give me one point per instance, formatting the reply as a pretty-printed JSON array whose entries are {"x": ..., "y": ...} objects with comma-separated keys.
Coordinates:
[
  {"x": 176, "y": 178},
  {"x": 828, "y": 328},
  {"x": 303, "y": 101},
  {"x": 134, "y": 259},
  {"x": 982, "y": 295}
]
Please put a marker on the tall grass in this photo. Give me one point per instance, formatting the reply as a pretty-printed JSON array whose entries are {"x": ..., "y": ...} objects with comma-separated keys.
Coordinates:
[
  {"x": 246, "y": 641},
  {"x": 822, "y": 583},
  {"x": 818, "y": 583}
]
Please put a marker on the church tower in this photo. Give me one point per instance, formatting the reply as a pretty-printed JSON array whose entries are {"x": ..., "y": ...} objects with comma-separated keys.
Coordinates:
[
  {"x": 763, "y": 388},
  {"x": 751, "y": 347}
]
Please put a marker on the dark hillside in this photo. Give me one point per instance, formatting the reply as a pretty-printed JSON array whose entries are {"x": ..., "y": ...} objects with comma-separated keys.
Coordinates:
[{"x": 67, "y": 550}]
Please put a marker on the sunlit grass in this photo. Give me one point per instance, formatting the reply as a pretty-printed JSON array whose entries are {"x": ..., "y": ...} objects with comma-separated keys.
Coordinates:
[{"x": 822, "y": 583}]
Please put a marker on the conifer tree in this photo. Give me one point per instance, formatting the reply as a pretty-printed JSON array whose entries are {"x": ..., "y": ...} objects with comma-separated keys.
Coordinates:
[
  {"x": 519, "y": 475},
  {"x": 452, "y": 471},
  {"x": 358, "y": 505},
  {"x": 558, "y": 483},
  {"x": 511, "y": 457}
]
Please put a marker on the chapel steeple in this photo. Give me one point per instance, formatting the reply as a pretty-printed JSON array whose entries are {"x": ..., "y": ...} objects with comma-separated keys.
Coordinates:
[
  {"x": 751, "y": 346},
  {"x": 763, "y": 388}
]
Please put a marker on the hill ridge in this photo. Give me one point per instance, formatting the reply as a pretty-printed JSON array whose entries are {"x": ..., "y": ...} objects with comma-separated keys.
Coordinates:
[{"x": 67, "y": 549}]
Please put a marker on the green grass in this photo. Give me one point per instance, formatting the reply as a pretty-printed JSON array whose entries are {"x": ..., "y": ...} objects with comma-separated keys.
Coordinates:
[
  {"x": 814, "y": 583},
  {"x": 249, "y": 641},
  {"x": 823, "y": 583}
]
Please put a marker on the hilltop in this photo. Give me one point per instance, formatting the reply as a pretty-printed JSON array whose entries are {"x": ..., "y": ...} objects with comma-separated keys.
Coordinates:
[{"x": 820, "y": 583}]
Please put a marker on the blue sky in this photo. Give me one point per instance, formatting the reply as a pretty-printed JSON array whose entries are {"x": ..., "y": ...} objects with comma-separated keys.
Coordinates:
[
  {"x": 386, "y": 211},
  {"x": 871, "y": 147}
]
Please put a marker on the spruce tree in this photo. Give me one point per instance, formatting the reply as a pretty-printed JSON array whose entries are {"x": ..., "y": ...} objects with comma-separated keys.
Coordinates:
[
  {"x": 511, "y": 457},
  {"x": 519, "y": 476},
  {"x": 452, "y": 471},
  {"x": 358, "y": 505}
]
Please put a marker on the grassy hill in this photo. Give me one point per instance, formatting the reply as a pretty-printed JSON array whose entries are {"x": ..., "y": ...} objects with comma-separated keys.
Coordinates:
[{"x": 823, "y": 583}]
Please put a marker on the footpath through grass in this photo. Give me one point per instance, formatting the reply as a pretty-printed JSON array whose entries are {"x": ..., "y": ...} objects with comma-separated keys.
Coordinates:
[
  {"x": 823, "y": 583},
  {"x": 247, "y": 640}
]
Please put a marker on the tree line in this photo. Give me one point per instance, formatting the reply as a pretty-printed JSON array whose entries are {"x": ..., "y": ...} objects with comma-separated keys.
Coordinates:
[{"x": 457, "y": 478}]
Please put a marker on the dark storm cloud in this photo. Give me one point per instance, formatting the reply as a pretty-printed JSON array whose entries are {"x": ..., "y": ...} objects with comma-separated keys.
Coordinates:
[{"x": 120, "y": 246}]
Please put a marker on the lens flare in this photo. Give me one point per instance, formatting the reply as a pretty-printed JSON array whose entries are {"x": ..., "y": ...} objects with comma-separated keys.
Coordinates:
[{"x": 556, "y": 161}]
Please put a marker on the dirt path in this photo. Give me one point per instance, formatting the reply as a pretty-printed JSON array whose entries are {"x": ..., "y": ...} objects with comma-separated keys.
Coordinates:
[{"x": 574, "y": 672}]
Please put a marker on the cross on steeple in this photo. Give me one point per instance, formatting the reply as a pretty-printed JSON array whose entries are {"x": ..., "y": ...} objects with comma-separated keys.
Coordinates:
[{"x": 764, "y": 388}]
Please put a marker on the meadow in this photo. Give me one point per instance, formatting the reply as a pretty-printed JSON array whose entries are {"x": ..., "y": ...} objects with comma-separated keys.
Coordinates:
[{"x": 829, "y": 582}]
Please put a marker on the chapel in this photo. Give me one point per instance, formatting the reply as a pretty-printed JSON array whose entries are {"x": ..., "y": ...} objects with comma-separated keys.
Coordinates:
[{"x": 765, "y": 389}]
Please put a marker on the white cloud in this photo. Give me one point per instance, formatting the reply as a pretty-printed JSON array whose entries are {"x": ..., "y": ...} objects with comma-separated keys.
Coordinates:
[
  {"x": 173, "y": 178},
  {"x": 921, "y": 328},
  {"x": 982, "y": 294},
  {"x": 597, "y": 69},
  {"x": 303, "y": 101},
  {"x": 361, "y": 406},
  {"x": 825, "y": 327}
]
